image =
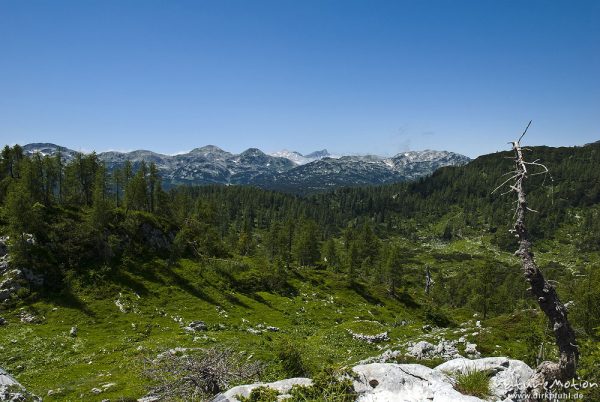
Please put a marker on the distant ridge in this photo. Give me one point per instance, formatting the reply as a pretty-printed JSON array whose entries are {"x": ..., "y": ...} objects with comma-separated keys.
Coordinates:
[{"x": 285, "y": 170}]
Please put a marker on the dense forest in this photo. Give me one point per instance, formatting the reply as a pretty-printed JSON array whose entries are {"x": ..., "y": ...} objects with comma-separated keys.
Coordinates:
[{"x": 90, "y": 224}]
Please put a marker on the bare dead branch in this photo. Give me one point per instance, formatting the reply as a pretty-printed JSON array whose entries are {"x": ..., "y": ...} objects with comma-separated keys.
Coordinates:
[
  {"x": 524, "y": 132},
  {"x": 543, "y": 290}
]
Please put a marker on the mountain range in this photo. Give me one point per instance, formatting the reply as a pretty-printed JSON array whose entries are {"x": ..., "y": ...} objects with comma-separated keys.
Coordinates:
[{"x": 284, "y": 170}]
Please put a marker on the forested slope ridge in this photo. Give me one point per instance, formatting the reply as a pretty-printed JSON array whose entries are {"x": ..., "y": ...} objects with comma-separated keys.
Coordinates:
[
  {"x": 288, "y": 171},
  {"x": 130, "y": 267}
]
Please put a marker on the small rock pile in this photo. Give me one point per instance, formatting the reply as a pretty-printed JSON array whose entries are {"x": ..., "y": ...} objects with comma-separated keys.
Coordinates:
[
  {"x": 425, "y": 350},
  {"x": 196, "y": 326},
  {"x": 377, "y": 338}
]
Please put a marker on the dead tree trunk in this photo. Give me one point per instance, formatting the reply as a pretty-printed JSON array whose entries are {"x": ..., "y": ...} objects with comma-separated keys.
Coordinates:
[
  {"x": 544, "y": 292},
  {"x": 428, "y": 280}
]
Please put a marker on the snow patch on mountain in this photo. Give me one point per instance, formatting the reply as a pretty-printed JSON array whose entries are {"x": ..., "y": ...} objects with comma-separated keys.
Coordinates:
[
  {"x": 300, "y": 159},
  {"x": 283, "y": 170}
]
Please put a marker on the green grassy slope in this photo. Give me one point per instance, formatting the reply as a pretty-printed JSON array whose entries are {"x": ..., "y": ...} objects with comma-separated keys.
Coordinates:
[{"x": 159, "y": 300}]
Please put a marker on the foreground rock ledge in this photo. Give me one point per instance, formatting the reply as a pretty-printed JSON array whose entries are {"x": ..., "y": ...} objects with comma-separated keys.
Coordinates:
[
  {"x": 415, "y": 382},
  {"x": 12, "y": 391}
]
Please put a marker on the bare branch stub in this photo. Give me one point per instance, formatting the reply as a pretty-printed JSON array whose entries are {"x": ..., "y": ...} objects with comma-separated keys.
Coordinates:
[{"x": 543, "y": 291}]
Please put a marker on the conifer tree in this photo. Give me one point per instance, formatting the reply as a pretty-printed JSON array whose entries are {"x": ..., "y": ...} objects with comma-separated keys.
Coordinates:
[{"x": 306, "y": 243}]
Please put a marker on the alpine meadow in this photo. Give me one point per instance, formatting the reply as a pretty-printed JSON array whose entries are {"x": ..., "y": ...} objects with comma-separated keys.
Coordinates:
[{"x": 441, "y": 244}]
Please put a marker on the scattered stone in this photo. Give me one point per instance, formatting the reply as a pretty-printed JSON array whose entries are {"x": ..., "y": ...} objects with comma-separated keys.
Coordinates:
[
  {"x": 3, "y": 321},
  {"x": 196, "y": 326},
  {"x": 56, "y": 391},
  {"x": 29, "y": 239},
  {"x": 377, "y": 338},
  {"x": 121, "y": 305},
  {"x": 174, "y": 351},
  {"x": 386, "y": 356},
  {"x": 427, "y": 328},
  {"x": 73, "y": 332},
  {"x": 96, "y": 391},
  {"x": 272, "y": 329},
  {"x": 425, "y": 350},
  {"x": 28, "y": 318},
  {"x": 471, "y": 350}
]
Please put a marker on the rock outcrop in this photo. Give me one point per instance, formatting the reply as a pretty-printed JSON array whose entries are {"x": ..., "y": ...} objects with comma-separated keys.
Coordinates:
[
  {"x": 384, "y": 382},
  {"x": 13, "y": 279},
  {"x": 195, "y": 326},
  {"x": 508, "y": 376},
  {"x": 12, "y": 391},
  {"x": 283, "y": 387}
]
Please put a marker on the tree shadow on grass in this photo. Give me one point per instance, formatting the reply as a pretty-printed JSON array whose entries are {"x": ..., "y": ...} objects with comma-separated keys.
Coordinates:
[
  {"x": 127, "y": 279},
  {"x": 362, "y": 291},
  {"x": 186, "y": 286},
  {"x": 235, "y": 300},
  {"x": 406, "y": 299},
  {"x": 67, "y": 299},
  {"x": 257, "y": 297}
]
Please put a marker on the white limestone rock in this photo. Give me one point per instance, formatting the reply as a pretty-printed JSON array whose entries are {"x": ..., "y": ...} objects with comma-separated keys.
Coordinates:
[
  {"x": 471, "y": 350},
  {"x": 508, "y": 376},
  {"x": 283, "y": 387},
  {"x": 385, "y": 382},
  {"x": 12, "y": 391},
  {"x": 382, "y": 382}
]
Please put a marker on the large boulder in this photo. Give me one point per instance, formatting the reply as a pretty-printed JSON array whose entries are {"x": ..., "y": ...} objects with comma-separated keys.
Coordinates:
[
  {"x": 383, "y": 382},
  {"x": 283, "y": 387},
  {"x": 508, "y": 376},
  {"x": 12, "y": 391}
]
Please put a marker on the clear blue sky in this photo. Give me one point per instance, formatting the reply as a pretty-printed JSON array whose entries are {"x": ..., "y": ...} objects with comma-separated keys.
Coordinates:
[{"x": 351, "y": 76}]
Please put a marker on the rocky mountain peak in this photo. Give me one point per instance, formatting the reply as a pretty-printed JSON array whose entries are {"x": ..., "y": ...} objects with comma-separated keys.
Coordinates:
[{"x": 284, "y": 170}]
